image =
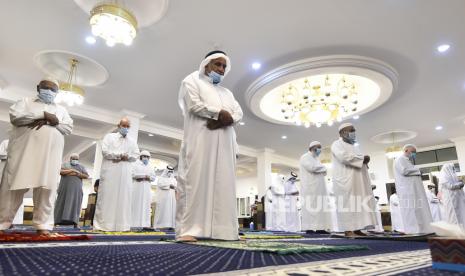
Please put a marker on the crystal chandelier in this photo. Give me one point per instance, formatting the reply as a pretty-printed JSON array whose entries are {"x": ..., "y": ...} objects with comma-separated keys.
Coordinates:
[
  {"x": 69, "y": 93},
  {"x": 113, "y": 23},
  {"x": 319, "y": 103}
]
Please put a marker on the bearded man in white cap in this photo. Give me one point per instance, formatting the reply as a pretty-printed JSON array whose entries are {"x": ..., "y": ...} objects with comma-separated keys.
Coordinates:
[
  {"x": 34, "y": 156},
  {"x": 143, "y": 175},
  {"x": 316, "y": 212},
  {"x": 413, "y": 203},
  {"x": 206, "y": 205},
  {"x": 355, "y": 202}
]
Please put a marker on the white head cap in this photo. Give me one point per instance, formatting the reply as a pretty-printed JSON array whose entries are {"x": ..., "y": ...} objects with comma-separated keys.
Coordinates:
[
  {"x": 314, "y": 143},
  {"x": 145, "y": 153},
  {"x": 344, "y": 125},
  {"x": 409, "y": 146},
  {"x": 50, "y": 79},
  {"x": 76, "y": 155}
]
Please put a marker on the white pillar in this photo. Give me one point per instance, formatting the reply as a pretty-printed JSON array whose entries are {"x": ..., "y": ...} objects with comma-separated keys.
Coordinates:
[
  {"x": 134, "y": 118},
  {"x": 97, "y": 161},
  {"x": 460, "y": 148},
  {"x": 264, "y": 159},
  {"x": 379, "y": 174}
]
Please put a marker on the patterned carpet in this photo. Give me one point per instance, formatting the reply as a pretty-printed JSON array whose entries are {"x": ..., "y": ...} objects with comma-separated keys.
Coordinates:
[{"x": 148, "y": 255}]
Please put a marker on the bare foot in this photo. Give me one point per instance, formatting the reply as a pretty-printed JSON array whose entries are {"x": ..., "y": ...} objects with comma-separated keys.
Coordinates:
[
  {"x": 2, "y": 232},
  {"x": 360, "y": 233},
  {"x": 350, "y": 234},
  {"x": 186, "y": 239},
  {"x": 43, "y": 232}
]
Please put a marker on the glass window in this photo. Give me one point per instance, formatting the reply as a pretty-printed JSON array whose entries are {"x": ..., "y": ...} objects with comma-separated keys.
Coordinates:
[
  {"x": 425, "y": 157},
  {"x": 446, "y": 154}
]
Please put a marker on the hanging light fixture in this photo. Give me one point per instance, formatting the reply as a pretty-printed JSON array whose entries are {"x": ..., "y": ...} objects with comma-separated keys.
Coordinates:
[
  {"x": 393, "y": 151},
  {"x": 113, "y": 23},
  {"x": 69, "y": 93},
  {"x": 321, "y": 103}
]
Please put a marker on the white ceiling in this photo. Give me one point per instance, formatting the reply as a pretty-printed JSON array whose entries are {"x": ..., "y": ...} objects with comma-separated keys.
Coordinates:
[{"x": 145, "y": 77}]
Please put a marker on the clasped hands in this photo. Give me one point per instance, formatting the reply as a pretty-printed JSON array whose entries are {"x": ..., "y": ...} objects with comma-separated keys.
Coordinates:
[
  {"x": 224, "y": 120},
  {"x": 121, "y": 157},
  {"x": 49, "y": 118}
]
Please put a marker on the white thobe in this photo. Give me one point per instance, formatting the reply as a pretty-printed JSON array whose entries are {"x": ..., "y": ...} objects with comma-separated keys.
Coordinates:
[
  {"x": 141, "y": 194},
  {"x": 206, "y": 206},
  {"x": 292, "y": 208},
  {"x": 279, "y": 204},
  {"x": 113, "y": 208},
  {"x": 379, "y": 220},
  {"x": 34, "y": 161},
  {"x": 434, "y": 205},
  {"x": 316, "y": 211},
  {"x": 165, "y": 211},
  {"x": 355, "y": 202},
  {"x": 453, "y": 198},
  {"x": 269, "y": 209},
  {"x": 396, "y": 217},
  {"x": 414, "y": 207}
]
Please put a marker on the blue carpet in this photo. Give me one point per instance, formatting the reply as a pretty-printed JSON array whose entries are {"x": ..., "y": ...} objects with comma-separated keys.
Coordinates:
[{"x": 167, "y": 259}]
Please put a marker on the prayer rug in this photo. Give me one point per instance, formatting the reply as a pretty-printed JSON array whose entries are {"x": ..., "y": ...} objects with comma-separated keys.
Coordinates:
[
  {"x": 33, "y": 237},
  {"x": 270, "y": 237},
  {"x": 128, "y": 233},
  {"x": 281, "y": 248},
  {"x": 388, "y": 236}
]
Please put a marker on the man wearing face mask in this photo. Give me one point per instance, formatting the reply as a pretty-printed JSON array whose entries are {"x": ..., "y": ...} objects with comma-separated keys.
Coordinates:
[
  {"x": 355, "y": 202},
  {"x": 206, "y": 177},
  {"x": 113, "y": 208},
  {"x": 413, "y": 203},
  {"x": 34, "y": 156},
  {"x": 316, "y": 215},
  {"x": 165, "y": 212},
  {"x": 69, "y": 200},
  {"x": 143, "y": 175}
]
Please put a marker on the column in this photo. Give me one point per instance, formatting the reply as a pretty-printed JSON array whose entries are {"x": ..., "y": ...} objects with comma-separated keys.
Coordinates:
[
  {"x": 97, "y": 161},
  {"x": 460, "y": 148},
  {"x": 379, "y": 174},
  {"x": 264, "y": 159}
]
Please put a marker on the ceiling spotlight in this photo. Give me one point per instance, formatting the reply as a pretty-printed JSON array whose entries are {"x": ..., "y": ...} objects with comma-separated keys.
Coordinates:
[
  {"x": 256, "y": 65},
  {"x": 443, "y": 48},
  {"x": 438, "y": 127},
  {"x": 356, "y": 117},
  {"x": 241, "y": 123},
  {"x": 150, "y": 134},
  {"x": 284, "y": 137},
  {"x": 91, "y": 40},
  {"x": 356, "y": 144}
]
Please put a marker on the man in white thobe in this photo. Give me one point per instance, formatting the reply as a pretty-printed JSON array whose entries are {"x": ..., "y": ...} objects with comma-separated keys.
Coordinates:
[
  {"x": 279, "y": 204},
  {"x": 269, "y": 209},
  {"x": 379, "y": 220},
  {"x": 291, "y": 199},
  {"x": 143, "y": 176},
  {"x": 413, "y": 203},
  {"x": 316, "y": 211},
  {"x": 434, "y": 203},
  {"x": 355, "y": 202},
  {"x": 206, "y": 205},
  {"x": 165, "y": 211},
  {"x": 34, "y": 156},
  {"x": 396, "y": 217},
  {"x": 3, "y": 156},
  {"x": 113, "y": 207},
  {"x": 453, "y": 197}
]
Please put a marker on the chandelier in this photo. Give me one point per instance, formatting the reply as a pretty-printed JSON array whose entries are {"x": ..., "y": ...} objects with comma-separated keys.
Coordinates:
[
  {"x": 319, "y": 103},
  {"x": 70, "y": 93},
  {"x": 113, "y": 23},
  {"x": 393, "y": 151}
]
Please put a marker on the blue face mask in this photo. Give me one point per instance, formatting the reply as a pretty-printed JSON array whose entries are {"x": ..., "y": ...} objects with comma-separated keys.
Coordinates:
[
  {"x": 123, "y": 131},
  {"x": 215, "y": 77},
  {"x": 413, "y": 155},
  {"x": 317, "y": 151},
  {"x": 74, "y": 162},
  {"x": 47, "y": 96},
  {"x": 145, "y": 161}
]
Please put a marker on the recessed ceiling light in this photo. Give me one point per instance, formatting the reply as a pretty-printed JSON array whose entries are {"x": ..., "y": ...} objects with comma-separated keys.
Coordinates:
[
  {"x": 438, "y": 127},
  {"x": 284, "y": 137},
  {"x": 150, "y": 134},
  {"x": 91, "y": 40},
  {"x": 241, "y": 123},
  {"x": 443, "y": 48},
  {"x": 356, "y": 117},
  {"x": 256, "y": 65},
  {"x": 356, "y": 144}
]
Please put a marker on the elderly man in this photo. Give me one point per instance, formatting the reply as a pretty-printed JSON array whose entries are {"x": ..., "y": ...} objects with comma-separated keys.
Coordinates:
[
  {"x": 113, "y": 208},
  {"x": 165, "y": 213},
  {"x": 316, "y": 212},
  {"x": 34, "y": 156},
  {"x": 453, "y": 196},
  {"x": 206, "y": 206},
  {"x": 355, "y": 203},
  {"x": 413, "y": 203},
  {"x": 69, "y": 200},
  {"x": 143, "y": 175}
]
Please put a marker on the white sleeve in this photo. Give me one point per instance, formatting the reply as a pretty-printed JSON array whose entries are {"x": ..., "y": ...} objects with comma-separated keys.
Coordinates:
[
  {"x": 133, "y": 153},
  {"x": 405, "y": 168},
  {"x": 107, "y": 150},
  {"x": 195, "y": 105},
  {"x": 237, "y": 112},
  {"x": 347, "y": 157},
  {"x": 21, "y": 114},
  {"x": 65, "y": 126},
  {"x": 312, "y": 167}
]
